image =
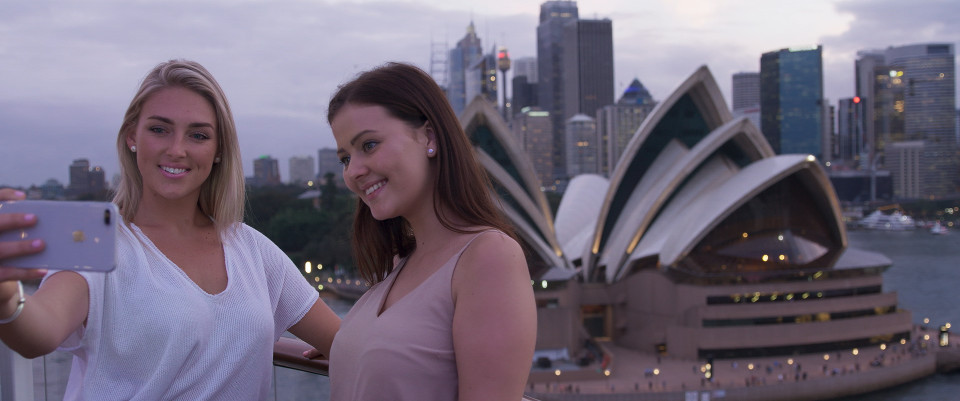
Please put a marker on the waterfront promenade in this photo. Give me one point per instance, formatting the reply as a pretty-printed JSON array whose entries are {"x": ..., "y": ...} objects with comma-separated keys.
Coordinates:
[{"x": 635, "y": 376}]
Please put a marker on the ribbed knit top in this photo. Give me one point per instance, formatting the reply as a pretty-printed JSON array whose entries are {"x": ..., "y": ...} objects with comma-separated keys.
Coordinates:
[{"x": 153, "y": 334}]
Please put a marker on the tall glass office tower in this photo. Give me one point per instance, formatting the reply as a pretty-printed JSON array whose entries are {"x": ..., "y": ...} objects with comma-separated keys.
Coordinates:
[
  {"x": 462, "y": 57},
  {"x": 554, "y": 16},
  {"x": 791, "y": 99}
]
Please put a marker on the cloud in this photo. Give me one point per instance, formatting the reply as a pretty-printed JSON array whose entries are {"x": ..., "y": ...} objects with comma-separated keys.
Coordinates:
[
  {"x": 68, "y": 69},
  {"x": 879, "y": 24}
]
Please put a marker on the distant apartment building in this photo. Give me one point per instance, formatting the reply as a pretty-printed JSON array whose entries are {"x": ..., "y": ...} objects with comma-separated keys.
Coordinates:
[
  {"x": 329, "y": 163},
  {"x": 302, "y": 169},
  {"x": 905, "y": 161},
  {"x": 266, "y": 172},
  {"x": 86, "y": 181}
]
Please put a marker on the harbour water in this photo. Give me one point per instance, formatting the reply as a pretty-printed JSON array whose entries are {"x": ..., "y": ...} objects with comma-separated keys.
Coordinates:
[{"x": 925, "y": 274}]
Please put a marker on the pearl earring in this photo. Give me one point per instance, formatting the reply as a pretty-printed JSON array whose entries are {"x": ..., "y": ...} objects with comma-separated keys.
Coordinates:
[
  {"x": 133, "y": 148},
  {"x": 430, "y": 152},
  {"x": 216, "y": 159}
]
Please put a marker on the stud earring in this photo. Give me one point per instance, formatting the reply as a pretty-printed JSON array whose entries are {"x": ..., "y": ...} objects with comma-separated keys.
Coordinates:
[
  {"x": 430, "y": 152},
  {"x": 216, "y": 159},
  {"x": 133, "y": 148}
]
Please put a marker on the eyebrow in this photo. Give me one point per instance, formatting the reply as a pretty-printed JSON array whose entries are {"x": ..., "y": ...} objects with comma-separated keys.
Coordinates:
[{"x": 169, "y": 121}]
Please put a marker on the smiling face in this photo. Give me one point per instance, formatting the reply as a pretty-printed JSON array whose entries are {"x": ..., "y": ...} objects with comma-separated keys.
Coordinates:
[
  {"x": 176, "y": 140},
  {"x": 385, "y": 161}
]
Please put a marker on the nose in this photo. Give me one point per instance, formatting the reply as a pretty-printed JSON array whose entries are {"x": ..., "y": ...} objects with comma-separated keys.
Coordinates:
[
  {"x": 177, "y": 146},
  {"x": 354, "y": 170}
]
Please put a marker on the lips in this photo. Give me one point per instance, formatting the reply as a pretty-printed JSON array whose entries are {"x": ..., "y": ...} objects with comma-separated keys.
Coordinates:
[
  {"x": 173, "y": 171},
  {"x": 373, "y": 188}
]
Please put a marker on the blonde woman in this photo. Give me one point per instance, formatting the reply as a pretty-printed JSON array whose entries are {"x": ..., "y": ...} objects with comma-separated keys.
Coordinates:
[{"x": 198, "y": 298}]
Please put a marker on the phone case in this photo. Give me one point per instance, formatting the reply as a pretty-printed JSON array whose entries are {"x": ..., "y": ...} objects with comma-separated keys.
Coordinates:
[{"x": 79, "y": 235}]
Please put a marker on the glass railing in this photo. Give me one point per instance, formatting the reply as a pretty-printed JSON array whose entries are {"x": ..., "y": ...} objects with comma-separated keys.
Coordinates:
[
  {"x": 295, "y": 378},
  {"x": 289, "y": 361}
]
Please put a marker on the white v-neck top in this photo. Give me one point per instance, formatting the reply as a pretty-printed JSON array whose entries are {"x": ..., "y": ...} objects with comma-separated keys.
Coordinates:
[
  {"x": 153, "y": 334},
  {"x": 405, "y": 353}
]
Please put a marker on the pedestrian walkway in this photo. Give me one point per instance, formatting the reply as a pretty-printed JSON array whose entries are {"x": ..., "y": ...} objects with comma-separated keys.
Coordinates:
[{"x": 632, "y": 375}]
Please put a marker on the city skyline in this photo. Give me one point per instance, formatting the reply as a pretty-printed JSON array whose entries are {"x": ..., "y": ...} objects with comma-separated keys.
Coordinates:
[{"x": 67, "y": 71}]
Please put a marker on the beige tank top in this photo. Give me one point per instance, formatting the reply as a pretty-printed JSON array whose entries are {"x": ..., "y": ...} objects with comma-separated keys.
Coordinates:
[{"x": 405, "y": 353}]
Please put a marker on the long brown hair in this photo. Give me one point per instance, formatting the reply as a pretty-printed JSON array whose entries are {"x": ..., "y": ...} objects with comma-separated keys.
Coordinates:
[{"x": 462, "y": 186}]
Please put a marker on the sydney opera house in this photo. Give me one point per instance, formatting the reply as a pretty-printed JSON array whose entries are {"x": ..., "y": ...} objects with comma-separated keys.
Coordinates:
[{"x": 702, "y": 244}]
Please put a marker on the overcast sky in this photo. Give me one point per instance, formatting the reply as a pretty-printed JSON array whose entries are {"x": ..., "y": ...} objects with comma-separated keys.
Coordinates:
[{"x": 69, "y": 68}]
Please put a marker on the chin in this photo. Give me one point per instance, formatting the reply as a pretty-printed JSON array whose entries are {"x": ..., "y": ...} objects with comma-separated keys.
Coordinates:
[{"x": 381, "y": 216}]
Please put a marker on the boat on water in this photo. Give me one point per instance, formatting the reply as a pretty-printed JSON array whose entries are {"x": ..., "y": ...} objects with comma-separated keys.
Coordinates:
[
  {"x": 938, "y": 229},
  {"x": 895, "y": 221}
]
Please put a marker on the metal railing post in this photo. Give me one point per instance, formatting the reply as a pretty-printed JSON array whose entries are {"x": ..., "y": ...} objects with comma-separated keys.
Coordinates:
[{"x": 16, "y": 376}]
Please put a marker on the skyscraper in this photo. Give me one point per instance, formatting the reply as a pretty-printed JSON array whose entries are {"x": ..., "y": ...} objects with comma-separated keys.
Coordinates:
[
  {"x": 525, "y": 67},
  {"x": 524, "y": 94},
  {"x": 915, "y": 100},
  {"x": 524, "y": 84},
  {"x": 746, "y": 96},
  {"x": 868, "y": 64},
  {"x": 746, "y": 90},
  {"x": 588, "y": 68},
  {"x": 554, "y": 16},
  {"x": 462, "y": 57},
  {"x": 791, "y": 98},
  {"x": 480, "y": 78},
  {"x": 847, "y": 145},
  {"x": 617, "y": 123},
  {"x": 575, "y": 69}
]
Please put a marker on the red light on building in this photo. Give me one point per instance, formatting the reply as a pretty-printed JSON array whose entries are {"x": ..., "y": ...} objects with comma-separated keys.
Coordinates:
[{"x": 856, "y": 99}]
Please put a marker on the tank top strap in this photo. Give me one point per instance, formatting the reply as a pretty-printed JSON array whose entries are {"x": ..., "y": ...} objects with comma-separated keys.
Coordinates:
[{"x": 456, "y": 258}]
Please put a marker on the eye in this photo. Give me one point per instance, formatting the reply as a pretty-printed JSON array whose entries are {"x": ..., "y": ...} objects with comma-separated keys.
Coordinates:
[
  {"x": 200, "y": 136},
  {"x": 369, "y": 145},
  {"x": 345, "y": 160},
  {"x": 156, "y": 130}
]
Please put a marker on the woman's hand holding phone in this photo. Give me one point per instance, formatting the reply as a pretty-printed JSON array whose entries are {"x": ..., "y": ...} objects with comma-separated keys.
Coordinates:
[
  {"x": 9, "y": 249},
  {"x": 10, "y": 287}
]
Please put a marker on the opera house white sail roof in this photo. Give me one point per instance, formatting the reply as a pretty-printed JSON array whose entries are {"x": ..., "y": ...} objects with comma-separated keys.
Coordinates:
[{"x": 688, "y": 169}]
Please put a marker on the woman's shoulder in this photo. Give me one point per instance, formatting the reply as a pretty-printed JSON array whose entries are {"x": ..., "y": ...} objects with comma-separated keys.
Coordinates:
[
  {"x": 491, "y": 237},
  {"x": 492, "y": 248},
  {"x": 242, "y": 232}
]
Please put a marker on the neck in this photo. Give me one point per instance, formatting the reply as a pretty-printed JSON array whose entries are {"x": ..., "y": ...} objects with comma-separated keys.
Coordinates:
[
  {"x": 429, "y": 232},
  {"x": 180, "y": 214}
]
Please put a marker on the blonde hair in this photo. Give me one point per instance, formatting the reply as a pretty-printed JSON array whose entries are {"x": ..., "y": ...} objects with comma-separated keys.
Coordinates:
[{"x": 222, "y": 194}]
